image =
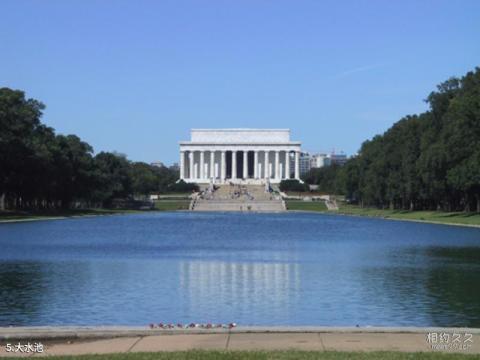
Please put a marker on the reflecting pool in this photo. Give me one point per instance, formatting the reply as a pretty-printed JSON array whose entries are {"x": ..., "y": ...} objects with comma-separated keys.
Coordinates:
[{"x": 253, "y": 269}]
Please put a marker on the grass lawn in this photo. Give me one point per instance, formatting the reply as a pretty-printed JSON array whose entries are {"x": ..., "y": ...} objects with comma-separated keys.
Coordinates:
[
  {"x": 47, "y": 214},
  {"x": 171, "y": 205},
  {"x": 460, "y": 218},
  {"x": 160, "y": 205},
  {"x": 175, "y": 196},
  {"x": 281, "y": 355},
  {"x": 430, "y": 216},
  {"x": 304, "y": 193},
  {"x": 306, "y": 205}
]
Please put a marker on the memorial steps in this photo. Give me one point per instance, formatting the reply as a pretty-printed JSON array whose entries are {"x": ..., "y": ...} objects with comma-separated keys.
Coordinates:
[
  {"x": 242, "y": 198},
  {"x": 225, "y": 205}
]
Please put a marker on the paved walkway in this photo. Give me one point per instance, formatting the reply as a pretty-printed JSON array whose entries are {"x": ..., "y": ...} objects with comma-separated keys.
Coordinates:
[{"x": 76, "y": 341}]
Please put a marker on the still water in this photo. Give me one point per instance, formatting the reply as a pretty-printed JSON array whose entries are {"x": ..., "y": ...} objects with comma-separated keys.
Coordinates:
[{"x": 253, "y": 269}]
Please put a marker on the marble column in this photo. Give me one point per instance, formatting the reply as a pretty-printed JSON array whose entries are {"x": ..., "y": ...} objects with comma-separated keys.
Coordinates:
[
  {"x": 212, "y": 164},
  {"x": 245, "y": 164},
  {"x": 182, "y": 164},
  {"x": 223, "y": 167},
  {"x": 202, "y": 164},
  {"x": 287, "y": 164},
  {"x": 234, "y": 164},
  {"x": 190, "y": 158},
  {"x": 255, "y": 164},
  {"x": 267, "y": 166},
  {"x": 277, "y": 165},
  {"x": 297, "y": 165}
]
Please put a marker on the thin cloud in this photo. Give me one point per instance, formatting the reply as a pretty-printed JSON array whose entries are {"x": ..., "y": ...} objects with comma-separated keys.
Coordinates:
[{"x": 358, "y": 69}]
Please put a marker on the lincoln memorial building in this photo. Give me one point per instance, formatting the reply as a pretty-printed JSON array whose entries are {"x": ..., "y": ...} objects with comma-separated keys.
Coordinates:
[{"x": 239, "y": 155}]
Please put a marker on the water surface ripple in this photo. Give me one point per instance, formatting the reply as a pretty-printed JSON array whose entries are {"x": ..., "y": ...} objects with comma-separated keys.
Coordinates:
[{"x": 254, "y": 269}]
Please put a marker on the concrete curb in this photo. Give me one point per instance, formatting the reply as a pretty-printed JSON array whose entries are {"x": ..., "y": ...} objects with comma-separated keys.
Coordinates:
[{"x": 107, "y": 332}]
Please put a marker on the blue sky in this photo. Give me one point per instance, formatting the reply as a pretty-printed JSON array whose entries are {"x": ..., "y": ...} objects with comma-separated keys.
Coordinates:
[{"x": 135, "y": 76}]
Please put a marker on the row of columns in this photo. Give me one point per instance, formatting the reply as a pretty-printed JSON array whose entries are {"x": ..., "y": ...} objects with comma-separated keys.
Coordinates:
[{"x": 223, "y": 164}]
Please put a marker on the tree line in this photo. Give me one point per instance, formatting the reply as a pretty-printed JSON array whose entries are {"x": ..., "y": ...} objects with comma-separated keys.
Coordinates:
[
  {"x": 425, "y": 161},
  {"x": 429, "y": 161},
  {"x": 40, "y": 169}
]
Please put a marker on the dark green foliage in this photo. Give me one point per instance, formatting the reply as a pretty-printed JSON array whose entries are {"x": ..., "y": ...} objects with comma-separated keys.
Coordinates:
[
  {"x": 327, "y": 178},
  {"x": 166, "y": 177},
  {"x": 424, "y": 162},
  {"x": 42, "y": 170},
  {"x": 181, "y": 187},
  {"x": 115, "y": 177},
  {"x": 293, "y": 185}
]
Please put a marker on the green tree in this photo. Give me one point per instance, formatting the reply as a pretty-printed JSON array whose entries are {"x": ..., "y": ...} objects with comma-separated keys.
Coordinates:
[
  {"x": 145, "y": 179},
  {"x": 113, "y": 177}
]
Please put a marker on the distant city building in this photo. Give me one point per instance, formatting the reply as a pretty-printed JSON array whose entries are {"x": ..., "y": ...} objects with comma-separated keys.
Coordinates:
[
  {"x": 338, "y": 159},
  {"x": 157, "y": 164},
  {"x": 175, "y": 166},
  {"x": 320, "y": 160},
  {"x": 304, "y": 161}
]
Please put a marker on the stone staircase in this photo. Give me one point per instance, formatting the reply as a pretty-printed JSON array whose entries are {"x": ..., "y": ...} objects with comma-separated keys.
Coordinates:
[{"x": 238, "y": 198}]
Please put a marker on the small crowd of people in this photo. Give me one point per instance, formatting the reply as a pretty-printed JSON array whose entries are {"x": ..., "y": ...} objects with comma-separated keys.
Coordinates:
[{"x": 237, "y": 191}]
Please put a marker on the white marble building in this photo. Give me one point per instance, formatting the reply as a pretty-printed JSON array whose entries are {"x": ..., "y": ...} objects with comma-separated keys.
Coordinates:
[{"x": 239, "y": 155}]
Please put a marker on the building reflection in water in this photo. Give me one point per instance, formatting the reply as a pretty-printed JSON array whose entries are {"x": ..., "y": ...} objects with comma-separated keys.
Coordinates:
[{"x": 261, "y": 289}]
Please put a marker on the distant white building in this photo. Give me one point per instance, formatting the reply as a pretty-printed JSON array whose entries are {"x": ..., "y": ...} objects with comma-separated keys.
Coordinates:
[
  {"x": 248, "y": 156},
  {"x": 320, "y": 160},
  {"x": 157, "y": 164}
]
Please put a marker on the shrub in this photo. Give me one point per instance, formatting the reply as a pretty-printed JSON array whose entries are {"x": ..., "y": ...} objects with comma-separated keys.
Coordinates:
[
  {"x": 293, "y": 185},
  {"x": 182, "y": 186}
]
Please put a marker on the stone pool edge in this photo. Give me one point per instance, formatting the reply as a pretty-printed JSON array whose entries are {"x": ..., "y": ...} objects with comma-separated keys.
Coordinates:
[
  {"x": 108, "y": 332},
  {"x": 326, "y": 212},
  {"x": 66, "y": 217}
]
